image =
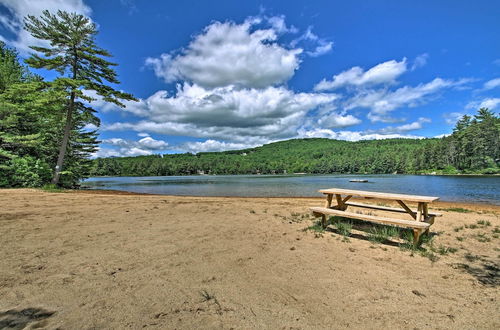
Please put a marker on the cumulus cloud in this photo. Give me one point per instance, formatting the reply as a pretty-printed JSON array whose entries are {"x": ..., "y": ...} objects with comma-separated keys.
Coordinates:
[
  {"x": 142, "y": 147},
  {"x": 231, "y": 54},
  {"x": 491, "y": 103},
  {"x": 226, "y": 113},
  {"x": 493, "y": 83},
  {"x": 12, "y": 18},
  {"x": 335, "y": 120},
  {"x": 382, "y": 101},
  {"x": 383, "y": 73}
]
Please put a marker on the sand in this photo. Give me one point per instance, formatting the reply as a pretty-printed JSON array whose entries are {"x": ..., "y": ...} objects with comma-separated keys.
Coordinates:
[{"x": 80, "y": 260}]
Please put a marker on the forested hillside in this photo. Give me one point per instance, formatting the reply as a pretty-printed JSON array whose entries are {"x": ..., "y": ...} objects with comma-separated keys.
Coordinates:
[{"x": 474, "y": 147}]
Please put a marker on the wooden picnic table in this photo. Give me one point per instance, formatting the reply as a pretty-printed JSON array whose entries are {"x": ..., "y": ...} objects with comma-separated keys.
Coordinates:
[{"x": 420, "y": 221}]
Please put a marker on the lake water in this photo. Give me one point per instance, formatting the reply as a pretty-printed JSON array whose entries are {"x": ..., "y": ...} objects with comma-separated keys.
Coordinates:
[{"x": 475, "y": 189}]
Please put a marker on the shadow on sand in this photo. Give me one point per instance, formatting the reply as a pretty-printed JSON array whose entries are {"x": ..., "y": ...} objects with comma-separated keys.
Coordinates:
[{"x": 20, "y": 319}]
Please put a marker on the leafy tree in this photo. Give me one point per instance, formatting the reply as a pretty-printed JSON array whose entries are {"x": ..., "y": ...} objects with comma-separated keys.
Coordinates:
[{"x": 80, "y": 63}]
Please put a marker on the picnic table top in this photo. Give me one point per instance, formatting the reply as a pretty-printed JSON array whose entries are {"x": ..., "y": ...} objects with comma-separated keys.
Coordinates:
[{"x": 381, "y": 195}]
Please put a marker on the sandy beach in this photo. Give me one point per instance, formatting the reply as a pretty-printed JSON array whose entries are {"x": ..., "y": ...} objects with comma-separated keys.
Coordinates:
[{"x": 106, "y": 260}]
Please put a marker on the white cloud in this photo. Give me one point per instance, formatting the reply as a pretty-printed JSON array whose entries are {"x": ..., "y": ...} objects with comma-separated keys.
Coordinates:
[
  {"x": 493, "y": 83},
  {"x": 129, "y": 148},
  {"x": 383, "y": 73},
  {"x": 381, "y": 102},
  {"x": 335, "y": 120},
  {"x": 144, "y": 143},
  {"x": 452, "y": 117},
  {"x": 278, "y": 24},
  {"x": 18, "y": 9},
  {"x": 231, "y": 54},
  {"x": 323, "y": 47},
  {"x": 420, "y": 61},
  {"x": 226, "y": 113},
  {"x": 213, "y": 145},
  {"x": 416, "y": 125},
  {"x": 490, "y": 103},
  {"x": 351, "y": 135},
  {"x": 137, "y": 108}
]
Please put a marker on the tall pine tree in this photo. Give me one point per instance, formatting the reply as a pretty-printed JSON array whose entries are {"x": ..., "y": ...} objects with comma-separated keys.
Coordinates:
[{"x": 80, "y": 63}]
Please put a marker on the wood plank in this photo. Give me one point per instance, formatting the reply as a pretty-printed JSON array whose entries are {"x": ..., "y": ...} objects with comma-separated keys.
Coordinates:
[
  {"x": 387, "y": 208},
  {"x": 346, "y": 199},
  {"x": 407, "y": 209},
  {"x": 381, "y": 195},
  {"x": 371, "y": 218}
]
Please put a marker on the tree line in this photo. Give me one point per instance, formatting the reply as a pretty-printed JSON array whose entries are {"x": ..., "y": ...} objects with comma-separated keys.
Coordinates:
[{"x": 473, "y": 147}]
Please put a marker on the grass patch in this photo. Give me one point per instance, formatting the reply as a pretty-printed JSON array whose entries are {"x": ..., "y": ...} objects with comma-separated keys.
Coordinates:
[
  {"x": 52, "y": 188},
  {"x": 496, "y": 230},
  {"x": 343, "y": 225},
  {"x": 317, "y": 228},
  {"x": 252, "y": 211},
  {"x": 457, "y": 209},
  {"x": 297, "y": 217},
  {"x": 484, "y": 223},
  {"x": 481, "y": 237},
  {"x": 457, "y": 229},
  {"x": 444, "y": 250},
  {"x": 381, "y": 234},
  {"x": 460, "y": 238},
  {"x": 426, "y": 248},
  {"x": 473, "y": 226}
]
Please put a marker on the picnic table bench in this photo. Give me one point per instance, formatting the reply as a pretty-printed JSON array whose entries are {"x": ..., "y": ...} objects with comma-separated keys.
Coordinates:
[{"x": 420, "y": 221}]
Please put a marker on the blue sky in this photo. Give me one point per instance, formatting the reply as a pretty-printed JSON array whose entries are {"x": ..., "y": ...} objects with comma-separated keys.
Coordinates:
[{"x": 219, "y": 75}]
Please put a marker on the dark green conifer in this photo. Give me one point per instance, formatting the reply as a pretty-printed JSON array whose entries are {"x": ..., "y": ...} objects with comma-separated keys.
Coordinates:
[{"x": 81, "y": 65}]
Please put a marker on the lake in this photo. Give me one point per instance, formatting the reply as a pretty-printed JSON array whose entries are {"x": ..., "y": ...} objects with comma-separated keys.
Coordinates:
[{"x": 474, "y": 189}]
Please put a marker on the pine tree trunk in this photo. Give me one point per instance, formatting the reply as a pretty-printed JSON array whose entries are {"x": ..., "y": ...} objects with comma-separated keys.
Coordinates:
[{"x": 65, "y": 140}]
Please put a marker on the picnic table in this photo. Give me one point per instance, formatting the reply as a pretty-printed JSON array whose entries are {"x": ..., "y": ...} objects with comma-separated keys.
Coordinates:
[{"x": 419, "y": 219}]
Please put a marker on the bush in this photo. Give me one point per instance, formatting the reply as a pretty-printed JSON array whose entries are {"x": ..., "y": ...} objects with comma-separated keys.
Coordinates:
[{"x": 28, "y": 172}]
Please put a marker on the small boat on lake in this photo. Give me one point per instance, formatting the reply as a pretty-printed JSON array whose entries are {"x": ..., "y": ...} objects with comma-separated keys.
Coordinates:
[{"x": 358, "y": 180}]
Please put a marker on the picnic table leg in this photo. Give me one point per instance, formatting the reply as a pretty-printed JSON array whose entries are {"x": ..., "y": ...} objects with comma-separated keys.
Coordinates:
[
  {"x": 329, "y": 198},
  {"x": 420, "y": 211},
  {"x": 323, "y": 220},
  {"x": 416, "y": 236},
  {"x": 340, "y": 203}
]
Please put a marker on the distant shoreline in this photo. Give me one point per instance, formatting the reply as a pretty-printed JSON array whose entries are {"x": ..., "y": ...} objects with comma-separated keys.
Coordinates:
[{"x": 290, "y": 174}]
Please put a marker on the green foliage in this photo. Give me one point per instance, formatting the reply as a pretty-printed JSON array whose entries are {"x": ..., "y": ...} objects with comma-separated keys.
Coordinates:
[
  {"x": 458, "y": 209},
  {"x": 52, "y": 188},
  {"x": 454, "y": 154},
  {"x": 80, "y": 63},
  {"x": 380, "y": 234},
  {"x": 28, "y": 172},
  {"x": 38, "y": 118},
  {"x": 343, "y": 225}
]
